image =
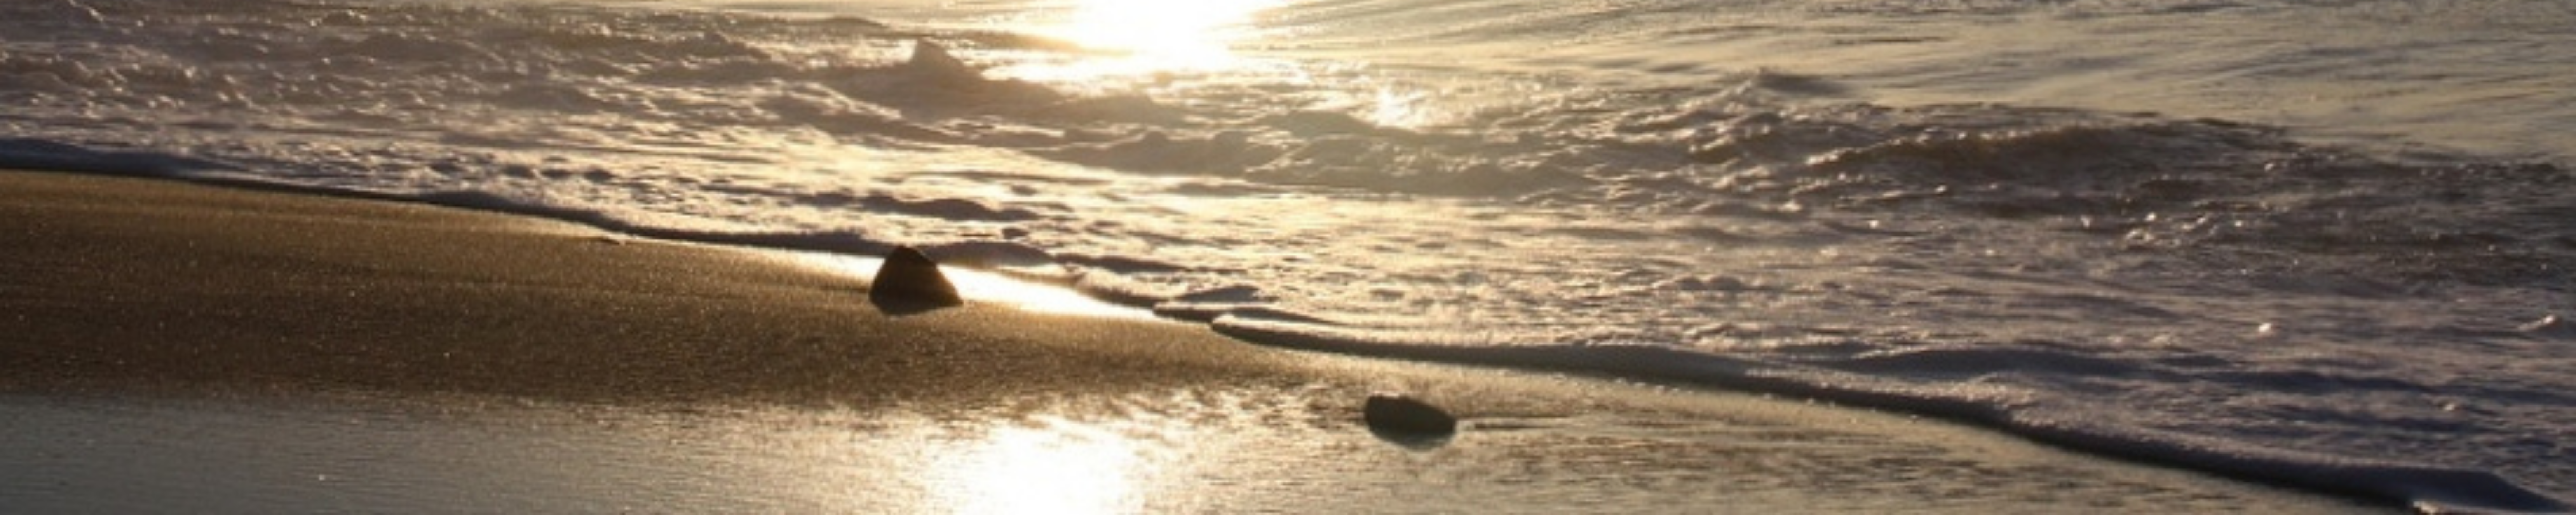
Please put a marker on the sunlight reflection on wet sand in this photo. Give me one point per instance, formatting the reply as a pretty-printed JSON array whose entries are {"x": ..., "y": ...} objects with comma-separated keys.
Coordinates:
[
  {"x": 1054, "y": 467},
  {"x": 1187, "y": 450}
]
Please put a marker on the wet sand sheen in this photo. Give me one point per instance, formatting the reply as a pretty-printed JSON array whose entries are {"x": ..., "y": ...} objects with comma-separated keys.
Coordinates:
[
  {"x": 169, "y": 345},
  {"x": 150, "y": 283}
]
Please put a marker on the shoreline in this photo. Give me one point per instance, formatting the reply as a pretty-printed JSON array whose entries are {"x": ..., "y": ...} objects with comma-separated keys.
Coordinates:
[
  {"x": 265, "y": 290},
  {"x": 159, "y": 288}
]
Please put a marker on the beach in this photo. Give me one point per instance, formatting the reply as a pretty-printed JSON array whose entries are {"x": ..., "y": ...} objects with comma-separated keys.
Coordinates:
[
  {"x": 192, "y": 286},
  {"x": 2314, "y": 245},
  {"x": 179, "y": 347}
]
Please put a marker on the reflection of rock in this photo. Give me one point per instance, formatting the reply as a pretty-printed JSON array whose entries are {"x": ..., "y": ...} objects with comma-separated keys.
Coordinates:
[
  {"x": 911, "y": 282},
  {"x": 1397, "y": 415}
]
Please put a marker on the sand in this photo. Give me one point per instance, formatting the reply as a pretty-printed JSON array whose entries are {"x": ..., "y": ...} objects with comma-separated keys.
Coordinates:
[
  {"x": 166, "y": 346},
  {"x": 137, "y": 283}
]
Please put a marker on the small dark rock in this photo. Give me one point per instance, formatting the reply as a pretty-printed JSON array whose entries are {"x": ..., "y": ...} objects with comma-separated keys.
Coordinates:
[
  {"x": 1392, "y": 414},
  {"x": 911, "y": 282}
]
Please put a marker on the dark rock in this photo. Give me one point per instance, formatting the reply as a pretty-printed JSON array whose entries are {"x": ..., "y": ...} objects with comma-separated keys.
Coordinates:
[
  {"x": 911, "y": 282},
  {"x": 1397, "y": 415}
]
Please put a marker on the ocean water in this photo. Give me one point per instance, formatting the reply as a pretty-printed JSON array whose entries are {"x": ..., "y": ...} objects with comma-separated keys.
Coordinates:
[{"x": 2321, "y": 243}]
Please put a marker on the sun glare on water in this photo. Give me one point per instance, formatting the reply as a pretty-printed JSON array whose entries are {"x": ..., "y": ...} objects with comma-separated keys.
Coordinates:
[{"x": 1149, "y": 36}]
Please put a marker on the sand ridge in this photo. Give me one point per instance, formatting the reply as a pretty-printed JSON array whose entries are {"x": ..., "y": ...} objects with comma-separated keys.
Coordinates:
[{"x": 138, "y": 283}]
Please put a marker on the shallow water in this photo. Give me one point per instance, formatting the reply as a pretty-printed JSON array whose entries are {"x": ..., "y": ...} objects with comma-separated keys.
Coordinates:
[
  {"x": 1197, "y": 450},
  {"x": 2316, "y": 236}
]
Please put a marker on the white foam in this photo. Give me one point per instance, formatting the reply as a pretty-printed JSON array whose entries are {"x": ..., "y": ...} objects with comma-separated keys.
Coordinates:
[{"x": 2014, "y": 410}]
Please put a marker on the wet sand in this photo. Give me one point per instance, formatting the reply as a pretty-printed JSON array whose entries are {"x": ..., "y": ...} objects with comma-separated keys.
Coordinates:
[
  {"x": 168, "y": 346},
  {"x": 140, "y": 284}
]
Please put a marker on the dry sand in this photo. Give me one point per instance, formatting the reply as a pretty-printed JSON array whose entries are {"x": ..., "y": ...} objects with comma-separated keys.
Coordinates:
[{"x": 176, "y": 347}]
